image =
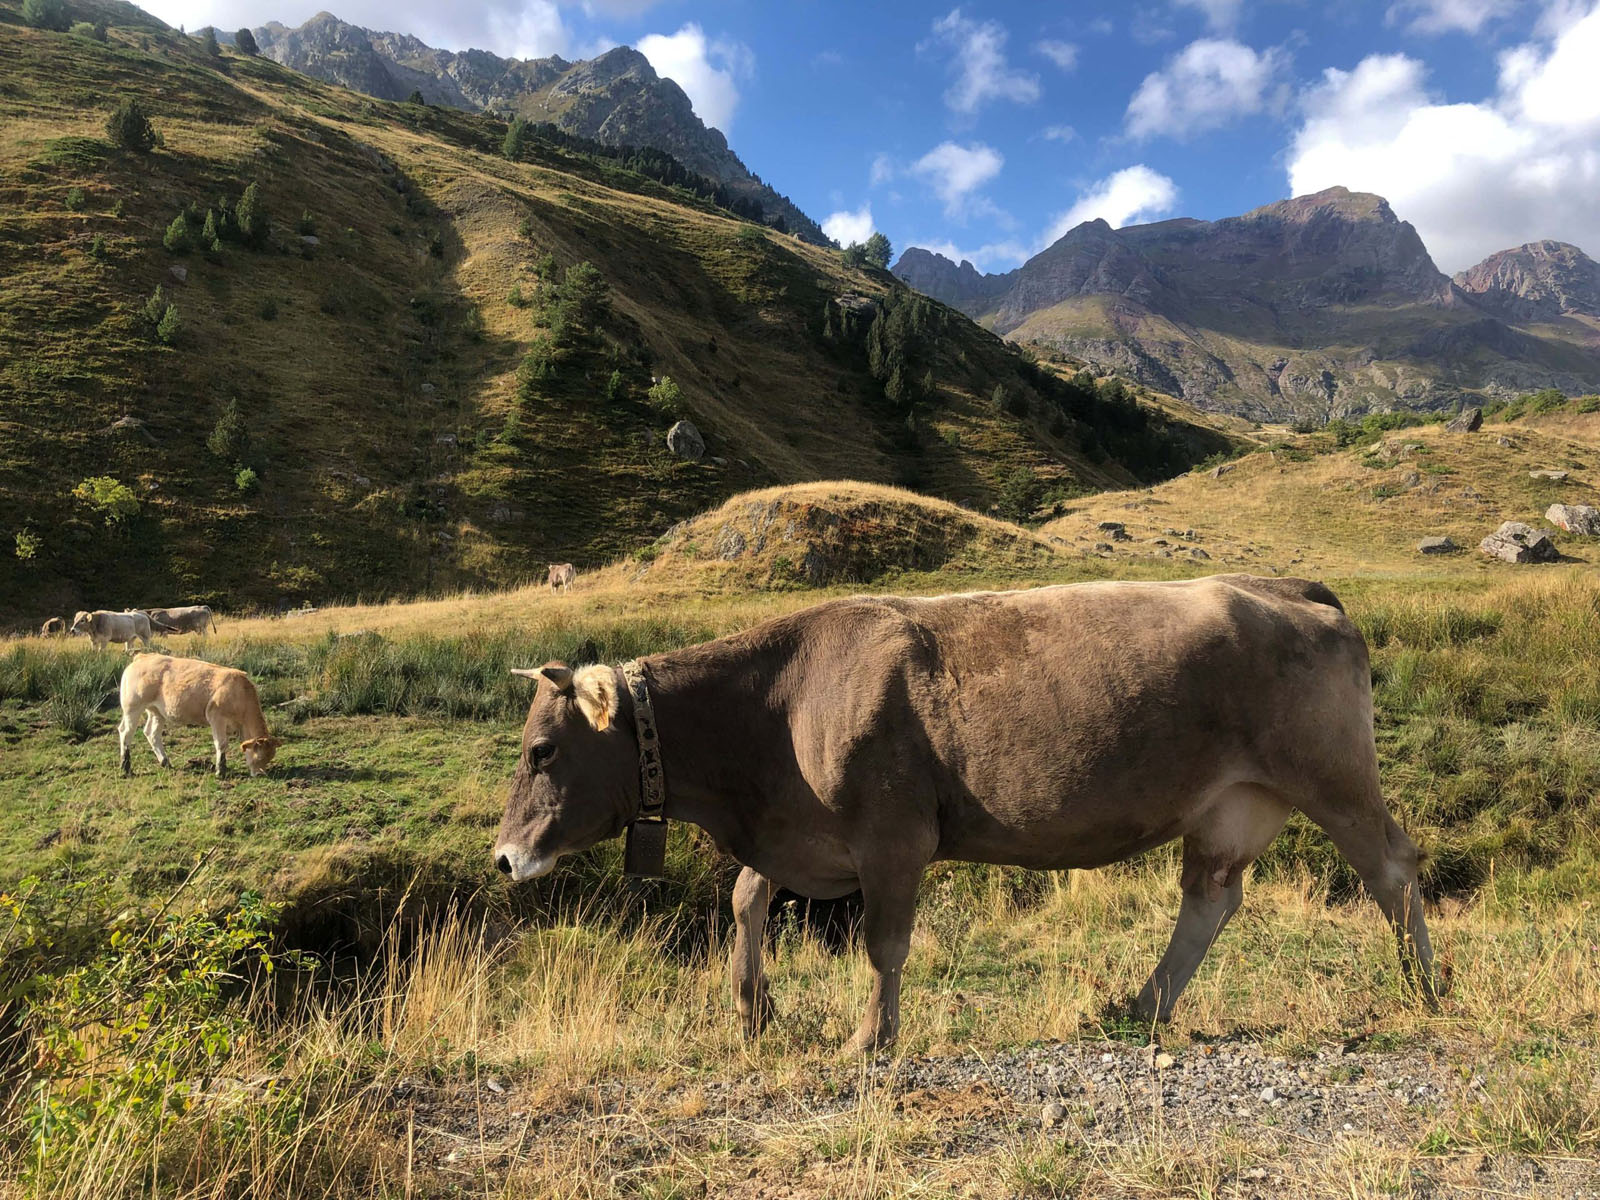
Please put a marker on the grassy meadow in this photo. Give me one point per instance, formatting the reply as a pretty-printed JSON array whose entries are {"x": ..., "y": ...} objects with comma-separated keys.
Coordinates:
[{"x": 428, "y": 1031}]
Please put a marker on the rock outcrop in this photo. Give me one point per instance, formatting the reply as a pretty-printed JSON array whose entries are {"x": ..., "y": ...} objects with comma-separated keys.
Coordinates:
[
  {"x": 1581, "y": 519},
  {"x": 1541, "y": 281},
  {"x": 1515, "y": 542}
]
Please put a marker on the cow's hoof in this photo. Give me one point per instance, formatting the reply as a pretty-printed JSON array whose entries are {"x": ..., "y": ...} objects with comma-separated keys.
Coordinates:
[
  {"x": 868, "y": 1042},
  {"x": 756, "y": 1019}
]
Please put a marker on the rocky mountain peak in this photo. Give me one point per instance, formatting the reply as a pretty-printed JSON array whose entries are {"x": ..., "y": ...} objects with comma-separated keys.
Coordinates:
[{"x": 1539, "y": 281}]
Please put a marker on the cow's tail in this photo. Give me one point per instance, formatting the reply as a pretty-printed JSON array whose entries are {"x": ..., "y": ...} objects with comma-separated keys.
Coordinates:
[
  {"x": 213, "y": 617},
  {"x": 163, "y": 626}
]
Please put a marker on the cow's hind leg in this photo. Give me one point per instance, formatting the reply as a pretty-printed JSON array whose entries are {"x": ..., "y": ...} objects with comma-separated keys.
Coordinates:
[
  {"x": 125, "y": 729},
  {"x": 1236, "y": 828},
  {"x": 751, "y": 896},
  {"x": 1387, "y": 861},
  {"x": 219, "y": 739},
  {"x": 888, "y": 912},
  {"x": 153, "y": 730}
]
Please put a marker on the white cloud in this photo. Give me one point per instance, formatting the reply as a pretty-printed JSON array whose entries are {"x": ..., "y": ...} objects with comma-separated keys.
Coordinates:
[
  {"x": 1221, "y": 15},
  {"x": 978, "y": 61},
  {"x": 1445, "y": 16},
  {"x": 1476, "y": 177},
  {"x": 707, "y": 71},
  {"x": 956, "y": 172},
  {"x": 1058, "y": 133},
  {"x": 1211, "y": 82},
  {"x": 882, "y": 170},
  {"x": 1063, "y": 54},
  {"x": 1126, "y": 197},
  {"x": 846, "y": 227}
]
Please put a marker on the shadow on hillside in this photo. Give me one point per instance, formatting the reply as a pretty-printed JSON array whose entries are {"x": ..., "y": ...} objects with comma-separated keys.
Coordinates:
[{"x": 335, "y": 773}]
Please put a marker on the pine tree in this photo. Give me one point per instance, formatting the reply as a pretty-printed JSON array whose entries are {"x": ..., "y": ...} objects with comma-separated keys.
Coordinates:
[
  {"x": 208, "y": 43},
  {"x": 516, "y": 138},
  {"x": 129, "y": 128},
  {"x": 176, "y": 239},
  {"x": 878, "y": 251},
  {"x": 251, "y": 216},
  {"x": 245, "y": 42}
]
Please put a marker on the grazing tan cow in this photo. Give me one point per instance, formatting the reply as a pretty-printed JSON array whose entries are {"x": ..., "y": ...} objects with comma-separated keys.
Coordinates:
[
  {"x": 161, "y": 690},
  {"x": 193, "y": 618},
  {"x": 851, "y": 744},
  {"x": 53, "y": 627},
  {"x": 104, "y": 626},
  {"x": 561, "y": 575}
]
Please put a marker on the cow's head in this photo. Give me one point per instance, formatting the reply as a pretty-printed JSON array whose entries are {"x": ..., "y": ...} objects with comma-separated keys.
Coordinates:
[
  {"x": 80, "y": 623},
  {"x": 258, "y": 752},
  {"x": 577, "y": 782}
]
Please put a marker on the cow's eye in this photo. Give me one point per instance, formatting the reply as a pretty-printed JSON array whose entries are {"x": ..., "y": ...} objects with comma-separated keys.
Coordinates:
[{"x": 540, "y": 753}]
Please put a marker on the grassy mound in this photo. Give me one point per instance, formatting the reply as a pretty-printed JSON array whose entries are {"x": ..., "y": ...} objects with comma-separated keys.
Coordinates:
[
  {"x": 1304, "y": 507},
  {"x": 823, "y": 534}
]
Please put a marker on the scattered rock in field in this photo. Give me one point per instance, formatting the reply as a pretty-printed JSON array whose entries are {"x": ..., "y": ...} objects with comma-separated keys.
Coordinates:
[
  {"x": 1196, "y": 552},
  {"x": 1411, "y": 479},
  {"x": 1546, "y": 473},
  {"x": 1515, "y": 542},
  {"x": 1469, "y": 420},
  {"x": 1502, "y": 440},
  {"x": 1111, "y": 527},
  {"x": 131, "y": 427},
  {"x": 1054, "y": 1113},
  {"x": 1269, "y": 1094},
  {"x": 1221, "y": 469},
  {"x": 1102, "y": 547},
  {"x": 179, "y": 274},
  {"x": 309, "y": 239},
  {"x": 1437, "y": 545},
  {"x": 1575, "y": 518},
  {"x": 684, "y": 440}
]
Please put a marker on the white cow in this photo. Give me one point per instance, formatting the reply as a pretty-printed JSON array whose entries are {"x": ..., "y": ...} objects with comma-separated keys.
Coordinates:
[{"x": 104, "y": 626}]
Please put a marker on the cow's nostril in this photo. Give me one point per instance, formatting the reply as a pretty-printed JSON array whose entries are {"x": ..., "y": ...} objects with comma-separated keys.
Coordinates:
[{"x": 504, "y": 864}]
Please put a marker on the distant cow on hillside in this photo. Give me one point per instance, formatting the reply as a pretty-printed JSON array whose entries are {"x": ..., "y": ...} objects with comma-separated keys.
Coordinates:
[
  {"x": 562, "y": 575},
  {"x": 103, "y": 626},
  {"x": 54, "y": 627},
  {"x": 193, "y": 618}
]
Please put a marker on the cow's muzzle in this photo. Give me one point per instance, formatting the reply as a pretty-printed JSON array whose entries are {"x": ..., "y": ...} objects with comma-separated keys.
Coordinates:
[{"x": 520, "y": 865}]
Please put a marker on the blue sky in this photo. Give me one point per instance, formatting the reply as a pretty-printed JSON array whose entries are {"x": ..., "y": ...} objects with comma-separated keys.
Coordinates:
[{"x": 986, "y": 131}]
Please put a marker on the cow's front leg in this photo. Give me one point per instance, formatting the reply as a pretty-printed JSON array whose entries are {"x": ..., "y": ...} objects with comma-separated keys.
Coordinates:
[
  {"x": 890, "y": 906},
  {"x": 219, "y": 739},
  {"x": 752, "y": 895}
]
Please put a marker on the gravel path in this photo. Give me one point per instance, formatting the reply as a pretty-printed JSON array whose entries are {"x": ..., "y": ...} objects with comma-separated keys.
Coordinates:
[{"x": 1270, "y": 1126}]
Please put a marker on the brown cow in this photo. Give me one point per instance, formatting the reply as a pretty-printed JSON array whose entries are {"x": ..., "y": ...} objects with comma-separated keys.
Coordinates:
[
  {"x": 162, "y": 690},
  {"x": 53, "y": 627},
  {"x": 561, "y": 575},
  {"x": 851, "y": 744},
  {"x": 191, "y": 618}
]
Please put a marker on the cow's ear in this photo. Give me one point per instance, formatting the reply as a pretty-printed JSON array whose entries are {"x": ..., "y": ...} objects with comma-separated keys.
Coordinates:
[{"x": 596, "y": 689}]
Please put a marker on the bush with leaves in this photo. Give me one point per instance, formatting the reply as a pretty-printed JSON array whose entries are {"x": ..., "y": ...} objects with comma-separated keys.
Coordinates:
[
  {"x": 416, "y": 98},
  {"x": 94, "y": 31},
  {"x": 129, "y": 128},
  {"x": 516, "y": 139},
  {"x": 251, "y": 217},
  {"x": 616, "y": 387},
  {"x": 666, "y": 397},
  {"x": 46, "y": 14},
  {"x": 27, "y": 545},
  {"x": 230, "y": 436},
  {"x": 246, "y": 481},
  {"x": 97, "y": 248},
  {"x": 155, "y": 307},
  {"x": 176, "y": 238},
  {"x": 170, "y": 327},
  {"x": 245, "y": 43},
  {"x": 111, "y": 498},
  {"x": 1019, "y": 494},
  {"x": 77, "y": 199}
]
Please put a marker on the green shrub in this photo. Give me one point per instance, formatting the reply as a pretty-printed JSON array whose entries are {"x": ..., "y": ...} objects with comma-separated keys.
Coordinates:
[
  {"x": 94, "y": 31},
  {"x": 1019, "y": 494},
  {"x": 416, "y": 97},
  {"x": 176, "y": 239},
  {"x": 27, "y": 545},
  {"x": 155, "y": 307},
  {"x": 666, "y": 397},
  {"x": 112, "y": 499},
  {"x": 616, "y": 387},
  {"x": 119, "y": 208},
  {"x": 251, "y": 217},
  {"x": 129, "y": 128},
  {"x": 516, "y": 139},
  {"x": 210, "y": 232},
  {"x": 229, "y": 438},
  {"x": 208, "y": 42},
  {"x": 307, "y": 225},
  {"x": 97, "y": 248},
  {"x": 170, "y": 328},
  {"x": 46, "y": 14},
  {"x": 538, "y": 365},
  {"x": 515, "y": 298},
  {"x": 246, "y": 481},
  {"x": 77, "y": 199}
]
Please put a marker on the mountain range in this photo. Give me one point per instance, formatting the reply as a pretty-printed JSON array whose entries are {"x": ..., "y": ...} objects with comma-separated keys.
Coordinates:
[
  {"x": 615, "y": 98},
  {"x": 1312, "y": 307}
]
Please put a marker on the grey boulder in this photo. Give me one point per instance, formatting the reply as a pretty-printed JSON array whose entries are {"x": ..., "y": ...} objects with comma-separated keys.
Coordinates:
[{"x": 1515, "y": 542}]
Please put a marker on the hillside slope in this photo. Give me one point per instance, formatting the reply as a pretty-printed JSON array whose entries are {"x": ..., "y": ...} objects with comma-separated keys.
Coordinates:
[
  {"x": 615, "y": 98},
  {"x": 429, "y": 392},
  {"x": 1319, "y": 306}
]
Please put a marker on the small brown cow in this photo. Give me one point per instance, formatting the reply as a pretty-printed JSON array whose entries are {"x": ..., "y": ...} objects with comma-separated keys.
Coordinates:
[
  {"x": 162, "y": 690},
  {"x": 53, "y": 627},
  {"x": 562, "y": 575}
]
